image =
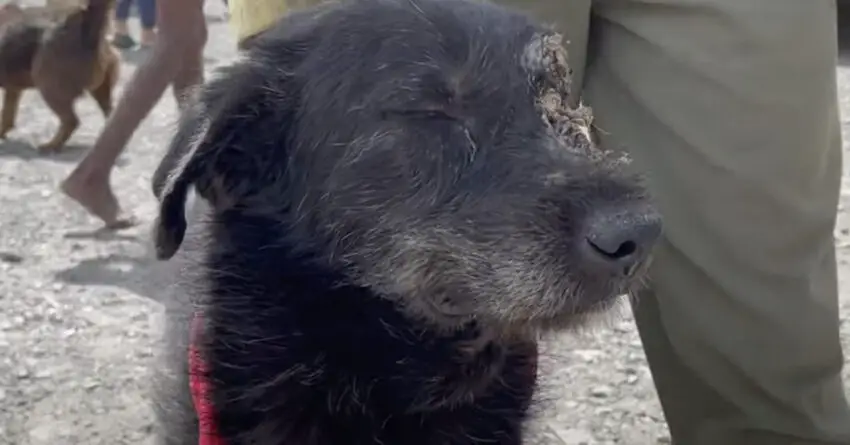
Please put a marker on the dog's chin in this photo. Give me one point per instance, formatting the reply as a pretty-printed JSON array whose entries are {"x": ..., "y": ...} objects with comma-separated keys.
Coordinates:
[
  {"x": 578, "y": 314},
  {"x": 573, "y": 310}
]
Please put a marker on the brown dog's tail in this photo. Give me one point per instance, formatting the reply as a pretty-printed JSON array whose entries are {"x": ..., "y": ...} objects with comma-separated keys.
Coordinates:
[{"x": 95, "y": 22}]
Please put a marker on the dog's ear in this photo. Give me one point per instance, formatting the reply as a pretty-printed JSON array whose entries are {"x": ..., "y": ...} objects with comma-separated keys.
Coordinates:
[
  {"x": 232, "y": 141},
  {"x": 226, "y": 141}
]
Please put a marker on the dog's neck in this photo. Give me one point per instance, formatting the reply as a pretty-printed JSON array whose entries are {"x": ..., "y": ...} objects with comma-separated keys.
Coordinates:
[{"x": 293, "y": 299}]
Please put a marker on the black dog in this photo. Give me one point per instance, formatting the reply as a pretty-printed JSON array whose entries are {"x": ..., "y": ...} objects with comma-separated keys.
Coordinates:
[{"x": 396, "y": 213}]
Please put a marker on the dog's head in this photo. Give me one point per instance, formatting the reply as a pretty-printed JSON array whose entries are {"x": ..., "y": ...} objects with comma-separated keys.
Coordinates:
[{"x": 423, "y": 149}]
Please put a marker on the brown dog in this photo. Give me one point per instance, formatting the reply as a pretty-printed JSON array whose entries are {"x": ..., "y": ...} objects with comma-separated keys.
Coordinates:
[{"x": 62, "y": 59}]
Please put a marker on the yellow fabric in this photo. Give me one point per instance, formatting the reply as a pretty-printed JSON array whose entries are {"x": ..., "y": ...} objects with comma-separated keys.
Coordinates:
[{"x": 250, "y": 17}]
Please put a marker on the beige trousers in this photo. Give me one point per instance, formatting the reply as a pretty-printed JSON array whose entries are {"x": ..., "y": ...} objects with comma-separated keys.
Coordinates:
[{"x": 730, "y": 107}]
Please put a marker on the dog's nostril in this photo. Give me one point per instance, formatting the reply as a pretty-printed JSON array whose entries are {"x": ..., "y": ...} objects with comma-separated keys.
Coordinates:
[
  {"x": 623, "y": 237},
  {"x": 613, "y": 251}
]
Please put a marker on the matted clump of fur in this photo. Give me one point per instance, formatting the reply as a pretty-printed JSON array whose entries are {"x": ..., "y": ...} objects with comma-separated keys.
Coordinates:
[
  {"x": 391, "y": 225},
  {"x": 571, "y": 124}
]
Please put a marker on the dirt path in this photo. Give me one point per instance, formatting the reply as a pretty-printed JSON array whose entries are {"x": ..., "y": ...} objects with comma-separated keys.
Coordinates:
[{"x": 78, "y": 312}]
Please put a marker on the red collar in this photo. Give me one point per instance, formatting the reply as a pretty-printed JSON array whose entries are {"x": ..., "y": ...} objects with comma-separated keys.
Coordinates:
[{"x": 201, "y": 388}]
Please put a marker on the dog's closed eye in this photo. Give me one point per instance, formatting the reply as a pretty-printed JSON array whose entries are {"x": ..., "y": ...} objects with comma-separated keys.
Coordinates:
[
  {"x": 424, "y": 114},
  {"x": 431, "y": 114}
]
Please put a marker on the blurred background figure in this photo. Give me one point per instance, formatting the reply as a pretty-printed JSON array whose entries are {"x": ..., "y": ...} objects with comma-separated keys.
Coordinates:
[
  {"x": 10, "y": 12},
  {"x": 121, "y": 38}
]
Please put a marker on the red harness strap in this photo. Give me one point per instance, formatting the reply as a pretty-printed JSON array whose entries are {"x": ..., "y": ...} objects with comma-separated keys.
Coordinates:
[{"x": 200, "y": 387}]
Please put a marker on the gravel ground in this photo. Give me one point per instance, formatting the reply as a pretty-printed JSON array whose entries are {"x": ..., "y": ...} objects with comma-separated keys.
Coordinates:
[{"x": 78, "y": 310}]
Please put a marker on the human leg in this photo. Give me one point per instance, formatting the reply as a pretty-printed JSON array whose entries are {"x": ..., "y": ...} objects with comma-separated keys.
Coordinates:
[
  {"x": 733, "y": 114},
  {"x": 121, "y": 35},
  {"x": 179, "y": 35},
  {"x": 147, "y": 17},
  {"x": 191, "y": 72}
]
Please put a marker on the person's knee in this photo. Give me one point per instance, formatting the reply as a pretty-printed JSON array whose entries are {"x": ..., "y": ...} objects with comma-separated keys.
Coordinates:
[
  {"x": 182, "y": 26},
  {"x": 194, "y": 39},
  {"x": 177, "y": 45}
]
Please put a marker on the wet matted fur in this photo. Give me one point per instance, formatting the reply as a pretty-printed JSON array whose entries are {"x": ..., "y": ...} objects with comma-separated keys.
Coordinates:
[{"x": 399, "y": 204}]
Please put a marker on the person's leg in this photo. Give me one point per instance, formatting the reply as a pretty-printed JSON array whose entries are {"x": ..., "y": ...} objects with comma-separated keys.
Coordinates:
[
  {"x": 121, "y": 35},
  {"x": 182, "y": 31},
  {"x": 191, "y": 73},
  {"x": 147, "y": 17},
  {"x": 732, "y": 112},
  {"x": 122, "y": 14}
]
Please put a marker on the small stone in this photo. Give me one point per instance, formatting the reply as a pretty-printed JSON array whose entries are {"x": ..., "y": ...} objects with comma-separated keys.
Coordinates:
[
  {"x": 601, "y": 392},
  {"x": 623, "y": 328},
  {"x": 12, "y": 258},
  {"x": 571, "y": 404},
  {"x": 573, "y": 436},
  {"x": 588, "y": 355}
]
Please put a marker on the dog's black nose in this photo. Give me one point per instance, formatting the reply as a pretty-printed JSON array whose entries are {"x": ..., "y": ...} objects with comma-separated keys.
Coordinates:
[{"x": 620, "y": 238}]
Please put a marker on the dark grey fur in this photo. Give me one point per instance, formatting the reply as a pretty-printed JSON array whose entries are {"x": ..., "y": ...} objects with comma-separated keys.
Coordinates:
[{"x": 379, "y": 176}]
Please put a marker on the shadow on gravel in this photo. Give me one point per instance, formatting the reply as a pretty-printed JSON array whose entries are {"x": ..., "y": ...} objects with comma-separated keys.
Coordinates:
[
  {"x": 124, "y": 271},
  {"x": 26, "y": 151},
  {"x": 101, "y": 234}
]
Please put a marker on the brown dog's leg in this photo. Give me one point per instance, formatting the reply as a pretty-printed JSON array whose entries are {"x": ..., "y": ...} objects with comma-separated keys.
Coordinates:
[
  {"x": 11, "y": 99},
  {"x": 102, "y": 93},
  {"x": 62, "y": 105}
]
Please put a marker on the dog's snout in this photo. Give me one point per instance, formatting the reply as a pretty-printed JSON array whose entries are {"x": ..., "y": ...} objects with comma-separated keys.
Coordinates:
[{"x": 623, "y": 237}]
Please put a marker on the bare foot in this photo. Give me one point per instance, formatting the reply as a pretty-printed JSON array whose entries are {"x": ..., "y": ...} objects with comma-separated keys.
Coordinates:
[{"x": 98, "y": 200}]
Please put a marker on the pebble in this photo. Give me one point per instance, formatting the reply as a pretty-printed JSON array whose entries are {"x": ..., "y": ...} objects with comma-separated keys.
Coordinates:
[
  {"x": 573, "y": 436},
  {"x": 588, "y": 355},
  {"x": 9, "y": 257},
  {"x": 601, "y": 391}
]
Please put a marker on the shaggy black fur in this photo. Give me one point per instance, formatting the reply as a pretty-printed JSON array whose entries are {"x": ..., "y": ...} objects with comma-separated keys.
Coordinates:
[{"x": 392, "y": 222}]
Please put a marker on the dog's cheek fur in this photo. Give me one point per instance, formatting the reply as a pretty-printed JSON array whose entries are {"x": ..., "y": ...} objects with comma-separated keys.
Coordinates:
[{"x": 498, "y": 257}]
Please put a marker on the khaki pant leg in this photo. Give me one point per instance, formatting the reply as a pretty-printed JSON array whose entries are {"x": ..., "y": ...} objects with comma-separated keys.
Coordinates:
[{"x": 730, "y": 106}]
